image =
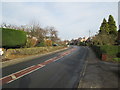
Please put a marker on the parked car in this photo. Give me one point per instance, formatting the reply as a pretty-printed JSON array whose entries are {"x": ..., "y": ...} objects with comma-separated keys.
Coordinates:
[{"x": 55, "y": 44}]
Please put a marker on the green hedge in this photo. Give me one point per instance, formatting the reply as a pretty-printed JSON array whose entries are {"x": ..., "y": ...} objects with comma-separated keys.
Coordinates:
[
  {"x": 97, "y": 50},
  {"x": 12, "y": 38},
  {"x": 110, "y": 50}
]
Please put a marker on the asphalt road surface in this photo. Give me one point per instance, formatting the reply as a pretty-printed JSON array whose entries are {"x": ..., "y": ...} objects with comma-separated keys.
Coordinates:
[{"x": 62, "y": 70}]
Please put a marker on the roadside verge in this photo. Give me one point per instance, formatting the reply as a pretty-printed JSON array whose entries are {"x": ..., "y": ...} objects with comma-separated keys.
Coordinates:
[{"x": 19, "y": 60}]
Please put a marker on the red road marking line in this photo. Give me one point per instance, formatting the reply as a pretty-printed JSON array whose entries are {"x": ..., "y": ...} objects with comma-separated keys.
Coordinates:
[{"x": 24, "y": 72}]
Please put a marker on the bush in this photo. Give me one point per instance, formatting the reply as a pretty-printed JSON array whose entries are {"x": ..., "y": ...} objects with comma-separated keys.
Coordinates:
[
  {"x": 12, "y": 38},
  {"x": 48, "y": 43},
  {"x": 41, "y": 44},
  {"x": 104, "y": 39},
  {"x": 31, "y": 42}
]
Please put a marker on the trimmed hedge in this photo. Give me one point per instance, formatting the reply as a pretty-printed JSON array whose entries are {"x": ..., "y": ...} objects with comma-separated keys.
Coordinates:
[
  {"x": 12, "y": 38},
  {"x": 110, "y": 50},
  {"x": 97, "y": 50}
]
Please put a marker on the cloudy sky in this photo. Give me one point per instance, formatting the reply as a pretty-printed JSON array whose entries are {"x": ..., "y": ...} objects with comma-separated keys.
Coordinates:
[{"x": 71, "y": 19}]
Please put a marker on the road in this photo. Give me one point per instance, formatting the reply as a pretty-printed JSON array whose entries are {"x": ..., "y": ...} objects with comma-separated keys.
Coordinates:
[{"x": 58, "y": 70}]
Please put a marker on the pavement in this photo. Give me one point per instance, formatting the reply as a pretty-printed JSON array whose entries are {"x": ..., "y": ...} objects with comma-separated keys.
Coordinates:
[
  {"x": 99, "y": 74},
  {"x": 58, "y": 70}
]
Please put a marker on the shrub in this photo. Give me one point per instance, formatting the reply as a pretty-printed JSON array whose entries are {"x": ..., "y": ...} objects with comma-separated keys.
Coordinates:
[
  {"x": 12, "y": 38},
  {"x": 104, "y": 39},
  {"x": 48, "y": 43},
  {"x": 31, "y": 42},
  {"x": 41, "y": 44}
]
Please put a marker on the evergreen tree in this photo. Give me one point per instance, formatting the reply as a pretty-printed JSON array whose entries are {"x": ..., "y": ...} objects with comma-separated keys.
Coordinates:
[
  {"x": 112, "y": 25},
  {"x": 104, "y": 26}
]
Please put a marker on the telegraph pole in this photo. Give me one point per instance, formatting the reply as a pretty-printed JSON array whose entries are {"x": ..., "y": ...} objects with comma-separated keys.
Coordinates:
[
  {"x": 89, "y": 33},
  {"x": 89, "y": 36}
]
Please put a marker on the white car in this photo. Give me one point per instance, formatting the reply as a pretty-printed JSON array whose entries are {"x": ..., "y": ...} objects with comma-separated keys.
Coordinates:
[{"x": 1, "y": 52}]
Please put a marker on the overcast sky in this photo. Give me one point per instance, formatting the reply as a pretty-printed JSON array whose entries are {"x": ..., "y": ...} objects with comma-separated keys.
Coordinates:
[{"x": 71, "y": 19}]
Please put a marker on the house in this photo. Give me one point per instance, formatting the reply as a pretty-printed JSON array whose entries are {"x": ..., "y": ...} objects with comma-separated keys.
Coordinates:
[{"x": 84, "y": 39}]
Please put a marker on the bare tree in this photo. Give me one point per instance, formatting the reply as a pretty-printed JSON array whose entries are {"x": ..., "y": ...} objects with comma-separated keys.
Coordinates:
[
  {"x": 53, "y": 34},
  {"x": 37, "y": 31}
]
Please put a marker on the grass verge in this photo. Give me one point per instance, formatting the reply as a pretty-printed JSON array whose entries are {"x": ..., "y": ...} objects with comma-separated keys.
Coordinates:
[{"x": 24, "y": 52}]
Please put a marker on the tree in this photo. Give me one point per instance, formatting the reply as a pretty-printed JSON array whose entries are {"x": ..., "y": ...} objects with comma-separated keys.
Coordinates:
[
  {"x": 37, "y": 31},
  {"x": 104, "y": 39},
  {"x": 112, "y": 25},
  {"x": 104, "y": 26},
  {"x": 107, "y": 34},
  {"x": 53, "y": 34}
]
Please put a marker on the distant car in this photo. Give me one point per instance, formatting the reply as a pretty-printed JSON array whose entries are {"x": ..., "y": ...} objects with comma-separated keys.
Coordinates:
[{"x": 55, "y": 44}]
